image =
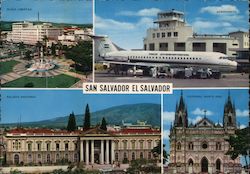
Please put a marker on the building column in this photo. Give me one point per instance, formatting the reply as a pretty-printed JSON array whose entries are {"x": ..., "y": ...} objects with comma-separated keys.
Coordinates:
[
  {"x": 87, "y": 152},
  {"x": 102, "y": 152},
  {"x": 92, "y": 151},
  {"x": 112, "y": 152},
  {"x": 107, "y": 152},
  {"x": 81, "y": 151}
]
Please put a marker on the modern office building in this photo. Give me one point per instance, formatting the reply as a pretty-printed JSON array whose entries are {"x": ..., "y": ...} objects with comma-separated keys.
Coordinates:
[
  {"x": 174, "y": 34},
  {"x": 93, "y": 146},
  {"x": 30, "y": 33},
  {"x": 201, "y": 147}
]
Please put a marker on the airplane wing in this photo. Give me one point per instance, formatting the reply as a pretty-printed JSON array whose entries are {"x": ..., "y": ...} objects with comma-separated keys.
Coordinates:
[{"x": 137, "y": 64}]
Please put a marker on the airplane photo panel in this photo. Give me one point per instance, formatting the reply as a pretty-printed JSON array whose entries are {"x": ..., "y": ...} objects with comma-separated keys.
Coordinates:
[{"x": 149, "y": 43}]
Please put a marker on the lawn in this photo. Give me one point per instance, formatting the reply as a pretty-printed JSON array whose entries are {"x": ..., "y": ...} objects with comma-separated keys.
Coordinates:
[
  {"x": 59, "y": 81},
  {"x": 6, "y": 67}
]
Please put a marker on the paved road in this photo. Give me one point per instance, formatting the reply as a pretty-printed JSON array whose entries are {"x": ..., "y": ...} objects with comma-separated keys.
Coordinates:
[{"x": 227, "y": 80}]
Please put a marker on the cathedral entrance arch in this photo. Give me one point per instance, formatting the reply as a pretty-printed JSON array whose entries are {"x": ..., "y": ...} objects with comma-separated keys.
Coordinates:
[{"x": 204, "y": 164}]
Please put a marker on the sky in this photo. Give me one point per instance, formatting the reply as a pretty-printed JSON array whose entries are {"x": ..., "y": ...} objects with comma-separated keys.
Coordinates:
[
  {"x": 126, "y": 22},
  {"x": 211, "y": 100},
  {"x": 35, "y": 105},
  {"x": 61, "y": 11}
]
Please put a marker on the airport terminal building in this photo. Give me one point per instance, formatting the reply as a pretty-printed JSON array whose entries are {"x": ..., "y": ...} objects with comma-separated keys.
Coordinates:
[
  {"x": 92, "y": 146},
  {"x": 201, "y": 147},
  {"x": 173, "y": 34}
]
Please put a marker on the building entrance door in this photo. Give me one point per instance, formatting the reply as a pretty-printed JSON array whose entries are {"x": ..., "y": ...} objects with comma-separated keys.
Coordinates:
[
  {"x": 204, "y": 165},
  {"x": 96, "y": 157}
]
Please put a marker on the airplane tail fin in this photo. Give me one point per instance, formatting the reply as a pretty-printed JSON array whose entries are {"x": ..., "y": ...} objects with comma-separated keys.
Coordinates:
[{"x": 103, "y": 45}]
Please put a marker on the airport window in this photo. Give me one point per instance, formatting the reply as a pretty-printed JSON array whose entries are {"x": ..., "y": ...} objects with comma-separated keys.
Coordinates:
[
  {"x": 169, "y": 34},
  {"x": 175, "y": 34},
  {"x": 158, "y": 35},
  {"x": 153, "y": 35},
  {"x": 162, "y": 35}
]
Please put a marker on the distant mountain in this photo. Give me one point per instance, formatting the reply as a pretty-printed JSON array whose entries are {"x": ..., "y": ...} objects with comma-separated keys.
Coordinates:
[
  {"x": 114, "y": 116},
  {"x": 7, "y": 25}
]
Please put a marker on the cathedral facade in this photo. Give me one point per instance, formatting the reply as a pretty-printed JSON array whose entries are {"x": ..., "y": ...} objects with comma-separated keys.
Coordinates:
[{"x": 201, "y": 147}]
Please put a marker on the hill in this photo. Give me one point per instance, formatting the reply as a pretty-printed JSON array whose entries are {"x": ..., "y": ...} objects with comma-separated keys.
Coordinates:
[
  {"x": 7, "y": 25},
  {"x": 114, "y": 116}
]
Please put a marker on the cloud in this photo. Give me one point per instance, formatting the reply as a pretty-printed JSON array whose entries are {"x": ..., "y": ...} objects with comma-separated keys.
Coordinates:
[
  {"x": 168, "y": 117},
  {"x": 143, "y": 12},
  {"x": 199, "y": 111},
  {"x": 195, "y": 120},
  {"x": 242, "y": 126},
  {"x": 223, "y": 9},
  {"x": 166, "y": 134},
  {"x": 244, "y": 113},
  {"x": 102, "y": 23}
]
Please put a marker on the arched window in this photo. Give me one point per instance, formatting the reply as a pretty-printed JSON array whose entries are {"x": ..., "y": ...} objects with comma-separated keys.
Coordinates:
[
  {"x": 218, "y": 146},
  {"x": 48, "y": 158},
  {"x": 149, "y": 155},
  {"x": 178, "y": 146},
  {"x": 141, "y": 155},
  {"x": 218, "y": 165},
  {"x": 75, "y": 157},
  {"x": 16, "y": 159},
  {"x": 30, "y": 158},
  {"x": 191, "y": 146},
  {"x": 116, "y": 156},
  {"x": 57, "y": 157},
  {"x": 133, "y": 155}
]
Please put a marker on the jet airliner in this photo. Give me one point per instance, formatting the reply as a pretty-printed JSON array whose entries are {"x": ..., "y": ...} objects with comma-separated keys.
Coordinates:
[{"x": 112, "y": 54}]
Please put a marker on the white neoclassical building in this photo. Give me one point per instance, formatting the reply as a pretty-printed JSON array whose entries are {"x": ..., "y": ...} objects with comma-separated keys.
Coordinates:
[
  {"x": 174, "y": 34},
  {"x": 93, "y": 146}
]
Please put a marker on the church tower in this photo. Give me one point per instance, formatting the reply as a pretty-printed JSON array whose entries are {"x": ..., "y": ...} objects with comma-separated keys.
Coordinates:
[
  {"x": 181, "y": 115},
  {"x": 229, "y": 117}
]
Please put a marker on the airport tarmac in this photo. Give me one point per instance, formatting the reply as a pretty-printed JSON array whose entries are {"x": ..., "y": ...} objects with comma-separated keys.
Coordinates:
[{"x": 227, "y": 80}]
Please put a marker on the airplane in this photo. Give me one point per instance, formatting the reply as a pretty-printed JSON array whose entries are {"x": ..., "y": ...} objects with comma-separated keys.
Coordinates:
[{"x": 112, "y": 54}]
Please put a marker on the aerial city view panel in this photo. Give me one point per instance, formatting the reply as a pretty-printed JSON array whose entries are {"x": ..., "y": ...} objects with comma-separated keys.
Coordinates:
[
  {"x": 167, "y": 41},
  {"x": 68, "y": 132},
  {"x": 44, "y": 44}
]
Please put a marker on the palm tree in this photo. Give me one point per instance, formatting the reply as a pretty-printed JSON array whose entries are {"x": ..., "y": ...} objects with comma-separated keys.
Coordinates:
[
  {"x": 38, "y": 47},
  {"x": 21, "y": 47},
  {"x": 45, "y": 43}
]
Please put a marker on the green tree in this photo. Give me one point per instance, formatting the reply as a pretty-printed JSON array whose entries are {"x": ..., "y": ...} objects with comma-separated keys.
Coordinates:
[
  {"x": 239, "y": 144},
  {"x": 45, "y": 44},
  {"x": 28, "y": 55},
  {"x": 81, "y": 54},
  {"x": 38, "y": 46},
  {"x": 157, "y": 152},
  {"x": 21, "y": 48},
  {"x": 104, "y": 124},
  {"x": 71, "y": 122},
  {"x": 53, "y": 49},
  {"x": 86, "y": 124}
]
